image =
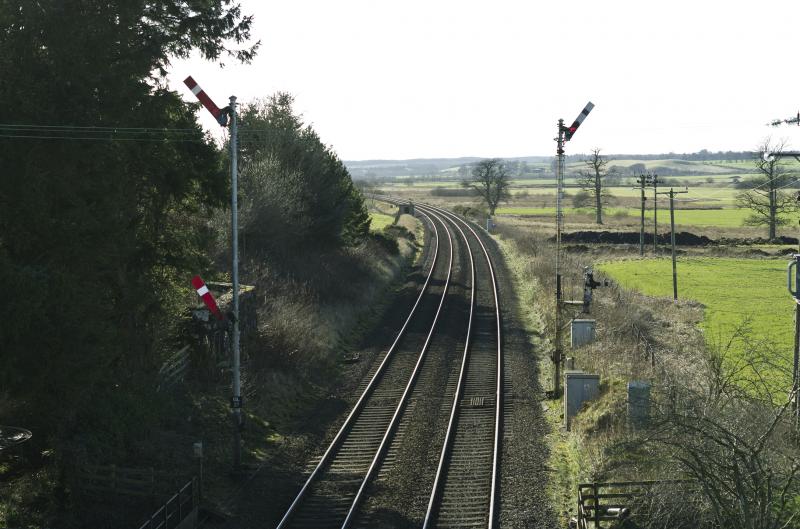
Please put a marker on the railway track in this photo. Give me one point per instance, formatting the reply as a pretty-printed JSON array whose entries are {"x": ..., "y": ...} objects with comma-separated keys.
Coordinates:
[
  {"x": 465, "y": 488},
  {"x": 462, "y": 492}
]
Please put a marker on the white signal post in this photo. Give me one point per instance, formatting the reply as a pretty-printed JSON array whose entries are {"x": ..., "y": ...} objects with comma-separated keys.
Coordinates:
[
  {"x": 227, "y": 116},
  {"x": 564, "y": 135}
]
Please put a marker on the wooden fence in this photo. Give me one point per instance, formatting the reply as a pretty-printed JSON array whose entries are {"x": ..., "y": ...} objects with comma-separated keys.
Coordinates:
[
  {"x": 603, "y": 503},
  {"x": 174, "y": 368},
  {"x": 179, "y": 511},
  {"x": 111, "y": 479}
]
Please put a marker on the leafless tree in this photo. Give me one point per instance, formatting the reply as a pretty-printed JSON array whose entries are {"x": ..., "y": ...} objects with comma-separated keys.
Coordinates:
[
  {"x": 491, "y": 180},
  {"x": 734, "y": 435},
  {"x": 592, "y": 181},
  {"x": 766, "y": 199}
]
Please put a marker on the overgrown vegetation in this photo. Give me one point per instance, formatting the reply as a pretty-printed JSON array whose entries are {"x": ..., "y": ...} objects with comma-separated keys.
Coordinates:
[
  {"x": 730, "y": 302},
  {"x": 100, "y": 234},
  {"x": 711, "y": 421}
]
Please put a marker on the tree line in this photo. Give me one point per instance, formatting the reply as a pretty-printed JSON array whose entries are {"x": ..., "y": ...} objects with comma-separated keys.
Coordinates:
[{"x": 108, "y": 199}]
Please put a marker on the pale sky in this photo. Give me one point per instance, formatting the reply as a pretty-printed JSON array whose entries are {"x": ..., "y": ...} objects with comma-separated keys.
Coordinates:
[{"x": 446, "y": 78}]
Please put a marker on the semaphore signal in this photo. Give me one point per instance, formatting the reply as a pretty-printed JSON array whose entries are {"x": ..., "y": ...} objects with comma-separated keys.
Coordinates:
[
  {"x": 577, "y": 123},
  {"x": 220, "y": 114},
  {"x": 202, "y": 291},
  {"x": 564, "y": 134},
  {"x": 225, "y": 116}
]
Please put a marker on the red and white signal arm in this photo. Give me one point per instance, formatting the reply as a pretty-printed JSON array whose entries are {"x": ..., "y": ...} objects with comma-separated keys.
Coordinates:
[
  {"x": 219, "y": 114},
  {"x": 568, "y": 133},
  {"x": 205, "y": 295}
]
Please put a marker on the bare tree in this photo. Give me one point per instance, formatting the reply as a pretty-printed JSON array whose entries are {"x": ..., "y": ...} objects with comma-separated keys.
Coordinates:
[
  {"x": 491, "y": 180},
  {"x": 746, "y": 469},
  {"x": 733, "y": 434},
  {"x": 592, "y": 181},
  {"x": 765, "y": 199}
]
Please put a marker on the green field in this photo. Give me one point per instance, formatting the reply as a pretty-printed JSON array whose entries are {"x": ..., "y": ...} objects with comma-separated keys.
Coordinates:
[
  {"x": 732, "y": 290},
  {"x": 379, "y": 221},
  {"x": 728, "y": 218}
]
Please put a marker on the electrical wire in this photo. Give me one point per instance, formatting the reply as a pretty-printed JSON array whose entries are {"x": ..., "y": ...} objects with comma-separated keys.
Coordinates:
[{"x": 17, "y": 131}]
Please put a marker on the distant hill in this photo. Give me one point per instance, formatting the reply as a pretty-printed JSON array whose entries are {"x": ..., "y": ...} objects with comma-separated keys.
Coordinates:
[{"x": 700, "y": 162}]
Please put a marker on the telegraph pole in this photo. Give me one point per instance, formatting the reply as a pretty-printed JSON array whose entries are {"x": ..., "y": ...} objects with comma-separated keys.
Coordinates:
[
  {"x": 643, "y": 180},
  {"x": 672, "y": 194},
  {"x": 655, "y": 214},
  {"x": 564, "y": 135}
]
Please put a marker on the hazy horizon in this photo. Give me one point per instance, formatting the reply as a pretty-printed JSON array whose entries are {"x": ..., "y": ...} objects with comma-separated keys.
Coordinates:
[{"x": 450, "y": 79}]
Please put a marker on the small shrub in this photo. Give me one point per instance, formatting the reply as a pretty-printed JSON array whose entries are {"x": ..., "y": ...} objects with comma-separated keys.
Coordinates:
[
  {"x": 387, "y": 241},
  {"x": 581, "y": 199},
  {"x": 470, "y": 212},
  {"x": 621, "y": 214}
]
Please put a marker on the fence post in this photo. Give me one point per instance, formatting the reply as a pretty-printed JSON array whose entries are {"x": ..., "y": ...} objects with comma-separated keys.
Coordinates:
[
  {"x": 596, "y": 491},
  {"x": 152, "y": 484}
]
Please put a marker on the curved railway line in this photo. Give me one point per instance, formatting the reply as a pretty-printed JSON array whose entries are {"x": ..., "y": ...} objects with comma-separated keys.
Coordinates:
[{"x": 462, "y": 489}]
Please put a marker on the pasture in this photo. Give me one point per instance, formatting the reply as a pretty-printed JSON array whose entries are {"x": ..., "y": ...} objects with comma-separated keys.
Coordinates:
[
  {"x": 733, "y": 292},
  {"x": 379, "y": 220},
  {"x": 683, "y": 217}
]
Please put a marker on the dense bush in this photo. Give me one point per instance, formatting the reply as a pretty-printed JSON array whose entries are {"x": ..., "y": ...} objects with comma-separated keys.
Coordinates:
[
  {"x": 99, "y": 237},
  {"x": 296, "y": 193}
]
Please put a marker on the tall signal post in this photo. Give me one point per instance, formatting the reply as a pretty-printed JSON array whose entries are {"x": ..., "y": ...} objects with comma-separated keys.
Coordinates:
[
  {"x": 564, "y": 135},
  {"x": 227, "y": 117},
  {"x": 795, "y": 263}
]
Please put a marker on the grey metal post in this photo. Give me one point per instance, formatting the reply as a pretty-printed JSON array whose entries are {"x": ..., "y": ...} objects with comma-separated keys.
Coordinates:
[
  {"x": 236, "y": 401},
  {"x": 559, "y": 221},
  {"x": 796, "y": 364},
  {"x": 796, "y": 355}
]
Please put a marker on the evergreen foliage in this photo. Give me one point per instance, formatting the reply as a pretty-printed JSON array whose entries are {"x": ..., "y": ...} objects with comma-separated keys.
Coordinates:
[
  {"x": 100, "y": 235},
  {"x": 297, "y": 194}
]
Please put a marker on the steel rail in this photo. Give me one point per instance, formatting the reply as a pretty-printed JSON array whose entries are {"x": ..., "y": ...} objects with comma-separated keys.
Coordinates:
[
  {"x": 457, "y": 398},
  {"x": 367, "y": 391},
  {"x": 387, "y": 436},
  {"x": 498, "y": 393}
]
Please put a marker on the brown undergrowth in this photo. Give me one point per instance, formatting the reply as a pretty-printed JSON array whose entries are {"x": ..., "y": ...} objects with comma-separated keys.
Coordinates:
[{"x": 658, "y": 341}]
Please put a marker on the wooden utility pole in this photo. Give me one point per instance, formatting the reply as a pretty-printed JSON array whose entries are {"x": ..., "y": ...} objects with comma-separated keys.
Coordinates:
[
  {"x": 643, "y": 180},
  {"x": 672, "y": 194}
]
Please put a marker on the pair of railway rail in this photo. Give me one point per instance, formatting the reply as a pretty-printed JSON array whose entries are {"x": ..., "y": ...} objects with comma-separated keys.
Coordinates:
[{"x": 464, "y": 492}]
